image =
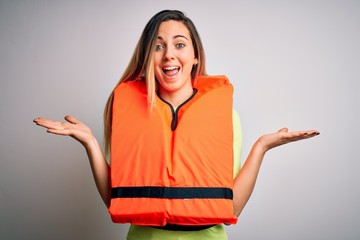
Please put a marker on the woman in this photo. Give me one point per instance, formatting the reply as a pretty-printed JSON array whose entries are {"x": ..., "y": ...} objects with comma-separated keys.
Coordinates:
[{"x": 168, "y": 69}]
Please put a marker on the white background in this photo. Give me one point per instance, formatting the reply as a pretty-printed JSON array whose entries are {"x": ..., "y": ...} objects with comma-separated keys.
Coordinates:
[{"x": 293, "y": 64}]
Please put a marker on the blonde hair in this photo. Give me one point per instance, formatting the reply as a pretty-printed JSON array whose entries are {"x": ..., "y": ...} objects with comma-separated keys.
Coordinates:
[{"x": 141, "y": 66}]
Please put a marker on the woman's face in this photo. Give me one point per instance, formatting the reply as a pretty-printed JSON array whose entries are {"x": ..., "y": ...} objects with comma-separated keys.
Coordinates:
[{"x": 174, "y": 59}]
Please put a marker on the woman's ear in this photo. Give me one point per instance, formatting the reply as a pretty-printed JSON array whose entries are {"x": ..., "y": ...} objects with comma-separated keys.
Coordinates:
[{"x": 195, "y": 61}]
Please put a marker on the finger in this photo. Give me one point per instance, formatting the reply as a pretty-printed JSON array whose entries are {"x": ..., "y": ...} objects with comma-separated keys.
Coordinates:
[
  {"x": 296, "y": 136},
  {"x": 63, "y": 132},
  {"x": 40, "y": 119},
  {"x": 314, "y": 132},
  {"x": 309, "y": 133},
  {"x": 46, "y": 122},
  {"x": 54, "y": 125}
]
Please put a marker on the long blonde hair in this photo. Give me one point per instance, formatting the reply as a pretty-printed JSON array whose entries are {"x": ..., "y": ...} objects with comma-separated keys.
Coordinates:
[{"x": 141, "y": 66}]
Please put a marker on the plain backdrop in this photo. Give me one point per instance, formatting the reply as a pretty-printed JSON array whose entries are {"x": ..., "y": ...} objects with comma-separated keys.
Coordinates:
[{"x": 293, "y": 64}]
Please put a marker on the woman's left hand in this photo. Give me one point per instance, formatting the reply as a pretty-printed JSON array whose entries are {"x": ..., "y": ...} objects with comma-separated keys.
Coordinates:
[{"x": 282, "y": 137}]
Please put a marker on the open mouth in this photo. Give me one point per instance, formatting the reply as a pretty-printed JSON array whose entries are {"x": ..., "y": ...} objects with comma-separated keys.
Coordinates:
[{"x": 171, "y": 71}]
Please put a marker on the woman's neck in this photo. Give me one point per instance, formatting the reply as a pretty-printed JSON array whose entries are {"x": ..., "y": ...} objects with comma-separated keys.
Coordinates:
[{"x": 176, "y": 98}]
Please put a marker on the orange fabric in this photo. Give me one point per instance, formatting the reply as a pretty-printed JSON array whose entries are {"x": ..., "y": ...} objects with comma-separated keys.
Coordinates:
[{"x": 198, "y": 153}]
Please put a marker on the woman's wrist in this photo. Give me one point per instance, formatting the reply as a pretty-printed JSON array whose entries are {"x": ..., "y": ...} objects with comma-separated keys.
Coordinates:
[
  {"x": 90, "y": 143},
  {"x": 260, "y": 147}
]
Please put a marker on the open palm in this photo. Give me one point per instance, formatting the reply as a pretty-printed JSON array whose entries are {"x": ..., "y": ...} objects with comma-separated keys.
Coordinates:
[
  {"x": 281, "y": 137},
  {"x": 71, "y": 127}
]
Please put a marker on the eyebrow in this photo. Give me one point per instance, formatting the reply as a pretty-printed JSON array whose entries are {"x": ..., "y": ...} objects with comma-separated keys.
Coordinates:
[{"x": 176, "y": 36}]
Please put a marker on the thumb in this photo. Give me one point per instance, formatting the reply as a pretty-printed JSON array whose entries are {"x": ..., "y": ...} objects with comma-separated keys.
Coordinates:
[
  {"x": 71, "y": 119},
  {"x": 283, "y": 129}
]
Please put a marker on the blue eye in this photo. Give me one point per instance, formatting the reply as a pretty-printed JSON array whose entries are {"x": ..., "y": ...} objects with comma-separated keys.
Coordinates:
[
  {"x": 180, "y": 45},
  {"x": 158, "y": 47}
]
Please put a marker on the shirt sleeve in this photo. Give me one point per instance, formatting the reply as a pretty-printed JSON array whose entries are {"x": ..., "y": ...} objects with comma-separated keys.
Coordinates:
[{"x": 237, "y": 142}]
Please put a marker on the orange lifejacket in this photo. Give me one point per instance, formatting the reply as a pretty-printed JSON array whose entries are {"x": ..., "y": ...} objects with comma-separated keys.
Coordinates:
[{"x": 172, "y": 167}]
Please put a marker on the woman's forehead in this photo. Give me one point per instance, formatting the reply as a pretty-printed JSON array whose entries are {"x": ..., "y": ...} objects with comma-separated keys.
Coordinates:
[{"x": 172, "y": 29}]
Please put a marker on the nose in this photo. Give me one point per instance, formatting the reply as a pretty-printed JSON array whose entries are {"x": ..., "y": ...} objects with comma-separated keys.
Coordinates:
[{"x": 168, "y": 54}]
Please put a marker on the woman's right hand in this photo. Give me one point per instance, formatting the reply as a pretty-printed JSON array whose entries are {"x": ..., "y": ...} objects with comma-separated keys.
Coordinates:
[
  {"x": 71, "y": 127},
  {"x": 82, "y": 133}
]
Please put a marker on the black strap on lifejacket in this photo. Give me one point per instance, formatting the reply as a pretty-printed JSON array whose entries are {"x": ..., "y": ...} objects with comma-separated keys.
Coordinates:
[{"x": 171, "y": 192}]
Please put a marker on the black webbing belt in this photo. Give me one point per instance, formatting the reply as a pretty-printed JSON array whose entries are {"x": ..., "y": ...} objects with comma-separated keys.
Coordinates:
[
  {"x": 174, "y": 193},
  {"x": 171, "y": 192}
]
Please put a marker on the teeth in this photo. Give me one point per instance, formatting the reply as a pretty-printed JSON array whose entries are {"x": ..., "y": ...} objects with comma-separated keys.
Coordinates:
[{"x": 170, "y": 68}]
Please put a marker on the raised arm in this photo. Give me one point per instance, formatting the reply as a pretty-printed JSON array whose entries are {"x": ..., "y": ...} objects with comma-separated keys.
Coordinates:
[
  {"x": 80, "y": 132},
  {"x": 244, "y": 182}
]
